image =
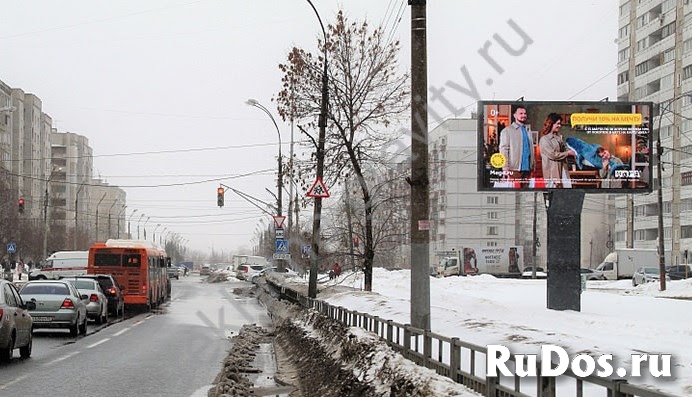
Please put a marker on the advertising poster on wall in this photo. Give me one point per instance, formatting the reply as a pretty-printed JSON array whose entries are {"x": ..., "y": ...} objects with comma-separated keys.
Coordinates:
[{"x": 598, "y": 147}]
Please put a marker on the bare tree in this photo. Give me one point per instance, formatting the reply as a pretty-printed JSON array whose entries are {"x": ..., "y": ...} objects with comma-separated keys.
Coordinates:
[{"x": 367, "y": 94}]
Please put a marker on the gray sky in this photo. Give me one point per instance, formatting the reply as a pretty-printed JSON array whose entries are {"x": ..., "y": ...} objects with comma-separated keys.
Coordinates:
[{"x": 168, "y": 77}]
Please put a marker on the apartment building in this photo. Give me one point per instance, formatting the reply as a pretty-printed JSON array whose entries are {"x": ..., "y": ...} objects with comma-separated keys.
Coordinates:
[{"x": 655, "y": 64}]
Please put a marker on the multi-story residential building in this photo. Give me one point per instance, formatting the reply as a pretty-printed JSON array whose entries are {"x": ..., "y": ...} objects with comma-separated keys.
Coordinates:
[
  {"x": 107, "y": 211},
  {"x": 70, "y": 196},
  {"x": 655, "y": 64},
  {"x": 5, "y": 127}
]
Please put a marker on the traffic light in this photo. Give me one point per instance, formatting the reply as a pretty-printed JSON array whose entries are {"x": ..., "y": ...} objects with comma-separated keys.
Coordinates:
[
  {"x": 219, "y": 196},
  {"x": 21, "y": 205}
]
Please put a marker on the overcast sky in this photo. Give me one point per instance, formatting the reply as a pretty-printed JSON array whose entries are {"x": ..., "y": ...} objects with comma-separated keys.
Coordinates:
[{"x": 170, "y": 79}]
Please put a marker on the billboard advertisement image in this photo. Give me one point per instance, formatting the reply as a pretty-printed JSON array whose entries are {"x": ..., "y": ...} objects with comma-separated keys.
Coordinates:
[{"x": 593, "y": 146}]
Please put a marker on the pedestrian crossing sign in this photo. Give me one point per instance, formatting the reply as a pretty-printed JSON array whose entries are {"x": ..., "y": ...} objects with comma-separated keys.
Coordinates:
[{"x": 281, "y": 246}]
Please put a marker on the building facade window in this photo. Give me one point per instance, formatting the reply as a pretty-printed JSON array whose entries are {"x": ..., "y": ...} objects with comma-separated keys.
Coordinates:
[
  {"x": 624, "y": 77},
  {"x": 492, "y": 215},
  {"x": 492, "y": 231},
  {"x": 491, "y": 200},
  {"x": 623, "y": 54}
]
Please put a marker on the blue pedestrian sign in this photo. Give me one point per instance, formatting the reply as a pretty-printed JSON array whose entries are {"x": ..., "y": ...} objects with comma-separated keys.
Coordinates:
[
  {"x": 281, "y": 246},
  {"x": 11, "y": 248}
]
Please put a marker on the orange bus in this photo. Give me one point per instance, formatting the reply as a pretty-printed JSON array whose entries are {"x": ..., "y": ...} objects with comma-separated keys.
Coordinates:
[{"x": 138, "y": 266}]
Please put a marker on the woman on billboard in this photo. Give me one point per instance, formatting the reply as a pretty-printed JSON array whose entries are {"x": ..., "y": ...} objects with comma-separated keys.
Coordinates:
[{"x": 554, "y": 153}]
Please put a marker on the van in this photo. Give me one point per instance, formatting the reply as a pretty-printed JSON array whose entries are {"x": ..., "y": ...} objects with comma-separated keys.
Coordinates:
[
  {"x": 205, "y": 270},
  {"x": 61, "y": 264}
]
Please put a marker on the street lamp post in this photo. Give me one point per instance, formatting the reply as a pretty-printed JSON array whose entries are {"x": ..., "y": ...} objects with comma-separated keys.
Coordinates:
[
  {"x": 97, "y": 216},
  {"x": 317, "y": 211},
  {"x": 76, "y": 211},
  {"x": 280, "y": 180},
  {"x": 129, "y": 232},
  {"x": 145, "y": 227},
  {"x": 46, "y": 217},
  {"x": 121, "y": 212},
  {"x": 108, "y": 235},
  {"x": 138, "y": 221},
  {"x": 153, "y": 235}
]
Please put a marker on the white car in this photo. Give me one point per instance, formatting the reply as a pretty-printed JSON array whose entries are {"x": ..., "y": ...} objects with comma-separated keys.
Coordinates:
[
  {"x": 286, "y": 273},
  {"x": 528, "y": 272},
  {"x": 645, "y": 275}
]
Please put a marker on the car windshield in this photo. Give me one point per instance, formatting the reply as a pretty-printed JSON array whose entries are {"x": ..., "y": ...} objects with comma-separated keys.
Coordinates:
[
  {"x": 83, "y": 284},
  {"x": 651, "y": 270},
  {"x": 45, "y": 289}
]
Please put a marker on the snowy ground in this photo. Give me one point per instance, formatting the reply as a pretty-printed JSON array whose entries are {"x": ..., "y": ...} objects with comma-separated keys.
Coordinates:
[{"x": 616, "y": 318}]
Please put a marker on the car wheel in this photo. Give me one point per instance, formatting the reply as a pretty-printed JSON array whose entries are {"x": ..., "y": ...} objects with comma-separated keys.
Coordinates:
[
  {"x": 74, "y": 328},
  {"x": 25, "y": 351},
  {"x": 98, "y": 319},
  {"x": 6, "y": 353},
  {"x": 634, "y": 282},
  {"x": 83, "y": 327},
  {"x": 104, "y": 318}
]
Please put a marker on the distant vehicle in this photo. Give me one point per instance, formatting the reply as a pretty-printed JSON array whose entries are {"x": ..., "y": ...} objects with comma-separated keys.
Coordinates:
[
  {"x": 500, "y": 261},
  {"x": 528, "y": 272},
  {"x": 58, "y": 305},
  {"x": 15, "y": 322},
  {"x": 622, "y": 263},
  {"x": 589, "y": 274},
  {"x": 238, "y": 260},
  {"x": 246, "y": 272},
  {"x": 173, "y": 272},
  {"x": 679, "y": 272},
  {"x": 97, "y": 306},
  {"x": 645, "y": 275},
  {"x": 62, "y": 264},
  {"x": 138, "y": 266},
  {"x": 273, "y": 269},
  {"x": 205, "y": 270},
  {"x": 113, "y": 292}
]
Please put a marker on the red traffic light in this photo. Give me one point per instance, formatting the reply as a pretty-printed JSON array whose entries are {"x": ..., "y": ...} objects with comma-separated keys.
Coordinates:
[
  {"x": 21, "y": 205},
  {"x": 219, "y": 196}
]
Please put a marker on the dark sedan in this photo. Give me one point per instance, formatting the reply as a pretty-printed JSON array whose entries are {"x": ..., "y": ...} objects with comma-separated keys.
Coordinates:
[{"x": 679, "y": 272}]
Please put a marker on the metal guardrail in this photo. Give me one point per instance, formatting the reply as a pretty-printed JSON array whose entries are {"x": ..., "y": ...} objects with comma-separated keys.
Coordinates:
[{"x": 464, "y": 362}]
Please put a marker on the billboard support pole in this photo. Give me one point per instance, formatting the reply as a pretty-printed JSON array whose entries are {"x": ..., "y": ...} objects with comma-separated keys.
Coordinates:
[{"x": 564, "y": 249}]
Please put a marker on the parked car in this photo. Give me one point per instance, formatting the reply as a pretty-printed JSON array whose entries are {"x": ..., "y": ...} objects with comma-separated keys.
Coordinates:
[
  {"x": 646, "y": 275},
  {"x": 528, "y": 272},
  {"x": 205, "y": 270},
  {"x": 15, "y": 322},
  {"x": 245, "y": 271},
  {"x": 287, "y": 273},
  {"x": 97, "y": 306},
  {"x": 58, "y": 305},
  {"x": 679, "y": 272},
  {"x": 590, "y": 274},
  {"x": 173, "y": 272},
  {"x": 112, "y": 290}
]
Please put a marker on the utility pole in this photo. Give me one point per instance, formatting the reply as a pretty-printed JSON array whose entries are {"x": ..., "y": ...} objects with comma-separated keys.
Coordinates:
[
  {"x": 420, "y": 202},
  {"x": 317, "y": 210},
  {"x": 535, "y": 237}
]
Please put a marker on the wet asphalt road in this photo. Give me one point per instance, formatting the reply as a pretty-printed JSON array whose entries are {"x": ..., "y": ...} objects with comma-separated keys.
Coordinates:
[{"x": 177, "y": 350}]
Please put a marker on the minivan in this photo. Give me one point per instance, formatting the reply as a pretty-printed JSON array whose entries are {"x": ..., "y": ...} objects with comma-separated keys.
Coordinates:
[{"x": 61, "y": 264}]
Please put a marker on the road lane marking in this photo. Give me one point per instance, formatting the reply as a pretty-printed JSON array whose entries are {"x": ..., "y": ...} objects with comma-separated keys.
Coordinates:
[
  {"x": 10, "y": 383},
  {"x": 65, "y": 357},
  {"x": 122, "y": 331},
  {"x": 98, "y": 343}
]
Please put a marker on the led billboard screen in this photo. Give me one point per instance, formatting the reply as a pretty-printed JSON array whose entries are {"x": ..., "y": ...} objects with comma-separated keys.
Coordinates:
[{"x": 599, "y": 147}]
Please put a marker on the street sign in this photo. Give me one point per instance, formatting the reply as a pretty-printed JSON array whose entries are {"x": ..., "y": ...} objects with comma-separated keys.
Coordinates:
[
  {"x": 279, "y": 233},
  {"x": 318, "y": 189},
  {"x": 281, "y": 246},
  {"x": 282, "y": 256},
  {"x": 11, "y": 248},
  {"x": 279, "y": 221},
  {"x": 305, "y": 250}
]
